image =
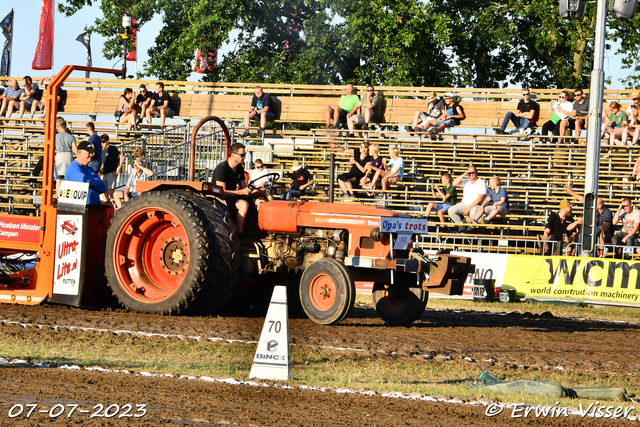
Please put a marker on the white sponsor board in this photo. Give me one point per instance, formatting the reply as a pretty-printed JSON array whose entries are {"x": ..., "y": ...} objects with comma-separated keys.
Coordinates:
[
  {"x": 73, "y": 193},
  {"x": 272, "y": 360},
  {"x": 403, "y": 225},
  {"x": 68, "y": 256}
]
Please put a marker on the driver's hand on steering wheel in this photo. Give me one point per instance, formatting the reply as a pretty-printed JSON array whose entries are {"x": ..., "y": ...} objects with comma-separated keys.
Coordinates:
[{"x": 245, "y": 191}]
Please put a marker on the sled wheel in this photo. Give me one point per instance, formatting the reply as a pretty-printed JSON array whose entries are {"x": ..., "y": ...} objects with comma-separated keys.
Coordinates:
[
  {"x": 158, "y": 259},
  {"x": 399, "y": 304},
  {"x": 327, "y": 291}
]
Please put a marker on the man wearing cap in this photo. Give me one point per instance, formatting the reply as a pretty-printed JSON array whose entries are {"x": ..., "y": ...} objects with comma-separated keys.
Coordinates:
[
  {"x": 435, "y": 107},
  {"x": 300, "y": 180},
  {"x": 524, "y": 118},
  {"x": 79, "y": 171},
  {"x": 450, "y": 117},
  {"x": 560, "y": 226},
  {"x": 630, "y": 218}
]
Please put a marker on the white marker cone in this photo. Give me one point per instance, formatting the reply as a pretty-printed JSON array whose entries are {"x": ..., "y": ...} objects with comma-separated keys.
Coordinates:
[{"x": 272, "y": 361}]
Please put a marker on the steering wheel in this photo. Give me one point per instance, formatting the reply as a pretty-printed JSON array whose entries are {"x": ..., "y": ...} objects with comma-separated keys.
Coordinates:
[{"x": 271, "y": 182}]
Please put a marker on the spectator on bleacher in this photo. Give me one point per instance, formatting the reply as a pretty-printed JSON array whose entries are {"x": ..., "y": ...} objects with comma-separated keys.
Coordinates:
[
  {"x": 61, "y": 96},
  {"x": 345, "y": 108},
  {"x": 262, "y": 110},
  {"x": 128, "y": 108},
  {"x": 375, "y": 164},
  {"x": 393, "y": 173},
  {"x": 230, "y": 176},
  {"x": 450, "y": 117},
  {"x": 94, "y": 139},
  {"x": 434, "y": 109},
  {"x": 140, "y": 154},
  {"x": 604, "y": 214},
  {"x": 633, "y": 126},
  {"x": 448, "y": 194},
  {"x": 560, "y": 226},
  {"x": 160, "y": 105},
  {"x": 301, "y": 179},
  {"x": 142, "y": 101},
  {"x": 525, "y": 117},
  {"x": 579, "y": 117},
  {"x": 635, "y": 97},
  {"x": 348, "y": 180},
  {"x": 370, "y": 103},
  {"x": 630, "y": 218},
  {"x": 65, "y": 148},
  {"x": 615, "y": 125},
  {"x": 10, "y": 99},
  {"x": 559, "y": 110},
  {"x": 141, "y": 173},
  {"x": 30, "y": 97},
  {"x": 78, "y": 171},
  {"x": 473, "y": 193},
  {"x": 257, "y": 173},
  {"x": 496, "y": 203},
  {"x": 112, "y": 161}
]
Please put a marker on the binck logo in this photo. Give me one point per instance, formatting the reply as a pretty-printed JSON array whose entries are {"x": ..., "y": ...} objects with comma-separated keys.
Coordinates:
[{"x": 272, "y": 346}]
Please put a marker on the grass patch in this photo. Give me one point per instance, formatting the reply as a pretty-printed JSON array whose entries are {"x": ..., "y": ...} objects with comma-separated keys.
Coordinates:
[{"x": 406, "y": 375}]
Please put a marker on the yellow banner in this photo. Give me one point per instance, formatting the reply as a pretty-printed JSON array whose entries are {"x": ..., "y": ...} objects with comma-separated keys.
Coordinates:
[{"x": 572, "y": 277}]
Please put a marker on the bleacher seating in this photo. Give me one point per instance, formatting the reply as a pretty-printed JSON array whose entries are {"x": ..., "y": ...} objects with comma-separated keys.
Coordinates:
[{"x": 533, "y": 173}]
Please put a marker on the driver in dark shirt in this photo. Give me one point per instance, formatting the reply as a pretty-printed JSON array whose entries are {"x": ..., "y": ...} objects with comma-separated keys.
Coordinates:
[{"x": 230, "y": 176}]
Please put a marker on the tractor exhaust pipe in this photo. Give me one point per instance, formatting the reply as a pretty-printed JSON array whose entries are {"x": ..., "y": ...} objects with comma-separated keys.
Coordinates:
[{"x": 332, "y": 167}]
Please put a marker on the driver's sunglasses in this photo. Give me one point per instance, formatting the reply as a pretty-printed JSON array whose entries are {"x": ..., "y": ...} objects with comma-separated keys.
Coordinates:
[{"x": 241, "y": 154}]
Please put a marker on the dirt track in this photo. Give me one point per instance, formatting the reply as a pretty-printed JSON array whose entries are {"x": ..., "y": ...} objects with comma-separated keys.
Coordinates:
[{"x": 536, "y": 342}]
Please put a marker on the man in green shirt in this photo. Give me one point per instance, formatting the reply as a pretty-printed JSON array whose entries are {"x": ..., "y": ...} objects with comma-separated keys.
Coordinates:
[{"x": 347, "y": 107}]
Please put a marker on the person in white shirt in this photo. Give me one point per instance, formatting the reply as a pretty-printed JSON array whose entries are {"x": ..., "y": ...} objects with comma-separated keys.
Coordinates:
[
  {"x": 474, "y": 192},
  {"x": 559, "y": 110},
  {"x": 259, "y": 171}
]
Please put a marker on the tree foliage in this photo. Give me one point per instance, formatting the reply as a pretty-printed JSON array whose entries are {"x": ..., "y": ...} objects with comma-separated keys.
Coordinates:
[{"x": 481, "y": 43}]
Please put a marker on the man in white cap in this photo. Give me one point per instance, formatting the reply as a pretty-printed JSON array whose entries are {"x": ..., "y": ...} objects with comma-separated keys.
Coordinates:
[
  {"x": 301, "y": 179},
  {"x": 79, "y": 171}
]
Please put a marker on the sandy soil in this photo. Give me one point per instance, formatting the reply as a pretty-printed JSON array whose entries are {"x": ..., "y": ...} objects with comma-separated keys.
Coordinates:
[{"x": 534, "y": 341}]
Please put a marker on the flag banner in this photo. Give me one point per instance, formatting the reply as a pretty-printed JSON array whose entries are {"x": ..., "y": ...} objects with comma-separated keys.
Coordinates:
[
  {"x": 205, "y": 63},
  {"x": 133, "y": 55},
  {"x": 43, "y": 59},
  {"x": 7, "y": 32},
  {"x": 85, "y": 39}
]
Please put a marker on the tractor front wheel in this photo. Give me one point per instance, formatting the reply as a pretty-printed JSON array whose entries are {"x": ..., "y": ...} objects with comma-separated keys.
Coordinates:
[
  {"x": 399, "y": 304},
  {"x": 327, "y": 291}
]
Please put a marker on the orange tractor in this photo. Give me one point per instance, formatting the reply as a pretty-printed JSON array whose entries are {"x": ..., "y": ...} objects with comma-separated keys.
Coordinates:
[{"x": 174, "y": 247}]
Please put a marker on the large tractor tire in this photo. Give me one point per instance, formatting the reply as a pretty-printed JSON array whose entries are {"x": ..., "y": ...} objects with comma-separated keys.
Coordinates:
[
  {"x": 159, "y": 256},
  {"x": 224, "y": 257},
  {"x": 327, "y": 291},
  {"x": 399, "y": 304}
]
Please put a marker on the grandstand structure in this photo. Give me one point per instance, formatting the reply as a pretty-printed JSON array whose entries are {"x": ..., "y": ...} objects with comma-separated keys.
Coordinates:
[{"x": 533, "y": 171}]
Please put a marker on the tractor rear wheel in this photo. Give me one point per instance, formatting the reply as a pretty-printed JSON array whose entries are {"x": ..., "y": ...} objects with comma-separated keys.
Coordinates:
[
  {"x": 157, "y": 257},
  {"x": 327, "y": 291},
  {"x": 399, "y": 304},
  {"x": 224, "y": 261}
]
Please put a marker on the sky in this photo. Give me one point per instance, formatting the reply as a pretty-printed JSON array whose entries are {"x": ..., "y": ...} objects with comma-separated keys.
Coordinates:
[{"x": 68, "y": 51}]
